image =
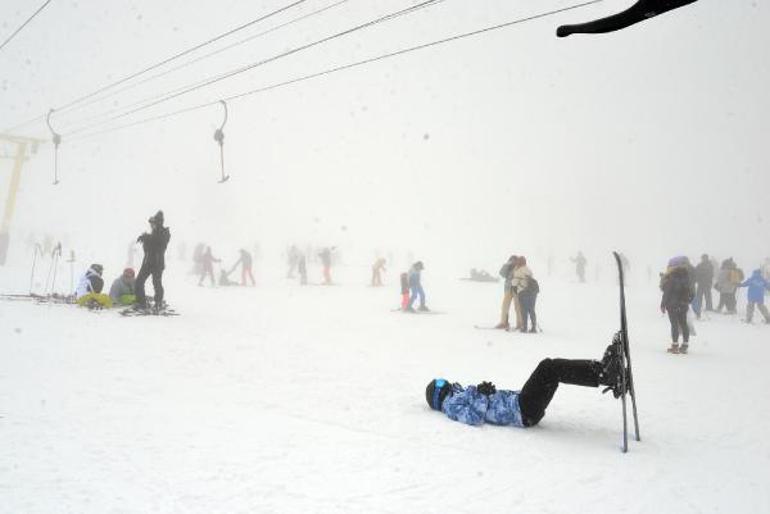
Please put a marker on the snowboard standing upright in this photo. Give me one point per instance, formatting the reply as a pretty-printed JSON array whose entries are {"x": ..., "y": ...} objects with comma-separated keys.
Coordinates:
[{"x": 627, "y": 373}]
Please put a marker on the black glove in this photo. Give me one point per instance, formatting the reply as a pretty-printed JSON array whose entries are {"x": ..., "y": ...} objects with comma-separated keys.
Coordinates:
[
  {"x": 141, "y": 238},
  {"x": 486, "y": 388}
]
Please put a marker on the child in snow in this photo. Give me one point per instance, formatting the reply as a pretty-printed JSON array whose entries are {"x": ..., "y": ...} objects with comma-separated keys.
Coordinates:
[
  {"x": 475, "y": 405},
  {"x": 757, "y": 286},
  {"x": 122, "y": 290},
  {"x": 89, "y": 290},
  {"x": 404, "y": 291}
]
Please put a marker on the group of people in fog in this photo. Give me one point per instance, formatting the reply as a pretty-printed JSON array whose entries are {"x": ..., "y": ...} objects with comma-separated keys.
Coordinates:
[{"x": 687, "y": 287}]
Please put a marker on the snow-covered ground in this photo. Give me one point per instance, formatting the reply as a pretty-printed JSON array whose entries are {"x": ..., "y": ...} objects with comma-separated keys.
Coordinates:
[{"x": 288, "y": 399}]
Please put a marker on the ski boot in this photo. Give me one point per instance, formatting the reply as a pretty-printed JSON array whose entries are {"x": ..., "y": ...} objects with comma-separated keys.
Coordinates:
[
  {"x": 502, "y": 326},
  {"x": 423, "y": 308},
  {"x": 674, "y": 348},
  {"x": 611, "y": 374},
  {"x": 683, "y": 348}
]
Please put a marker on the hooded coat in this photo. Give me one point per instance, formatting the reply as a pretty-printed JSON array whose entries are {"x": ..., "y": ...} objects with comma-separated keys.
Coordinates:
[
  {"x": 90, "y": 282},
  {"x": 757, "y": 285},
  {"x": 469, "y": 406},
  {"x": 677, "y": 289}
]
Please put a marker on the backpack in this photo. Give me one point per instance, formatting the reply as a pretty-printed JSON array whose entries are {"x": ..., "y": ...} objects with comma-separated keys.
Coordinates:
[{"x": 532, "y": 286}]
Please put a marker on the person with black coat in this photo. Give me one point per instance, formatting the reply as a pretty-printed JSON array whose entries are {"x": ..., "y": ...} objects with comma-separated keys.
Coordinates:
[
  {"x": 704, "y": 280},
  {"x": 154, "y": 245},
  {"x": 677, "y": 295}
]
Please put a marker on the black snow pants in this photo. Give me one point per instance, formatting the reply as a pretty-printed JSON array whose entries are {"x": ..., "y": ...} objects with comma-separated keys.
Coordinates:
[
  {"x": 542, "y": 384},
  {"x": 678, "y": 317},
  {"x": 703, "y": 296},
  {"x": 157, "y": 275}
]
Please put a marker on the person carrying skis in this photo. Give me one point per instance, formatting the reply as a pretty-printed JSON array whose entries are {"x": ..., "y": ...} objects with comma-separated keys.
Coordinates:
[
  {"x": 154, "y": 245},
  {"x": 484, "y": 403},
  {"x": 580, "y": 266},
  {"x": 677, "y": 295},
  {"x": 207, "y": 266},
  {"x": 122, "y": 290},
  {"x": 415, "y": 287},
  {"x": 757, "y": 286},
  {"x": 378, "y": 268},
  {"x": 640, "y": 11}
]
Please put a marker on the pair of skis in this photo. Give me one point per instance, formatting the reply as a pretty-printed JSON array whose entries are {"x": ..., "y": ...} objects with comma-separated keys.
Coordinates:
[{"x": 626, "y": 370}]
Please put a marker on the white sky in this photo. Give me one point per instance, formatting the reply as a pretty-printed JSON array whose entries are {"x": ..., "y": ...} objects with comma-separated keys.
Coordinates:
[{"x": 652, "y": 140}]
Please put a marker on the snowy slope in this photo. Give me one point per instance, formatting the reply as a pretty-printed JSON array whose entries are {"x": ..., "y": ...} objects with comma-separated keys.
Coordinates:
[{"x": 289, "y": 399}]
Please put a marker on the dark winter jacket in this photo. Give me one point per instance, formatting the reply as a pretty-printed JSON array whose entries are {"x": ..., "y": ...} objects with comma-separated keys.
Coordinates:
[
  {"x": 154, "y": 245},
  {"x": 757, "y": 285},
  {"x": 677, "y": 289},
  {"x": 704, "y": 273},
  {"x": 469, "y": 406}
]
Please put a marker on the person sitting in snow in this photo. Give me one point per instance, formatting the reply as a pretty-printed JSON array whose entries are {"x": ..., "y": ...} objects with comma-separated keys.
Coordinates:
[
  {"x": 484, "y": 403},
  {"x": 757, "y": 286},
  {"x": 89, "y": 290},
  {"x": 122, "y": 290}
]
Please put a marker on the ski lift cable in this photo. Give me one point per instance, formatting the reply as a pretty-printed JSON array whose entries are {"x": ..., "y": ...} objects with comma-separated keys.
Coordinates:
[
  {"x": 73, "y": 103},
  {"x": 15, "y": 32},
  {"x": 196, "y": 60},
  {"x": 336, "y": 69},
  {"x": 170, "y": 95}
]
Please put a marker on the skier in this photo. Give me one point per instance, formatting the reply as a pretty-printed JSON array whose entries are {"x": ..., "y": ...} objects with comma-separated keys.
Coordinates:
[
  {"x": 677, "y": 295},
  {"x": 207, "y": 266},
  {"x": 378, "y": 268},
  {"x": 475, "y": 405},
  {"x": 326, "y": 262},
  {"x": 519, "y": 283},
  {"x": 122, "y": 290},
  {"x": 293, "y": 259},
  {"x": 246, "y": 262},
  {"x": 757, "y": 286},
  {"x": 528, "y": 298},
  {"x": 404, "y": 291},
  {"x": 89, "y": 289},
  {"x": 506, "y": 271},
  {"x": 704, "y": 278},
  {"x": 640, "y": 11},
  {"x": 580, "y": 266},
  {"x": 154, "y": 262},
  {"x": 415, "y": 287},
  {"x": 302, "y": 268}
]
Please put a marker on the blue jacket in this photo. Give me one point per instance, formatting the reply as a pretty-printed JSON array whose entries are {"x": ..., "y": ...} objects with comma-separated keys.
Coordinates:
[
  {"x": 757, "y": 285},
  {"x": 468, "y": 406}
]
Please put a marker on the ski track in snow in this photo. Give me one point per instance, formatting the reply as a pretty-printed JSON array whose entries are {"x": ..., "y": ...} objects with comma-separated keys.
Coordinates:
[{"x": 288, "y": 399}]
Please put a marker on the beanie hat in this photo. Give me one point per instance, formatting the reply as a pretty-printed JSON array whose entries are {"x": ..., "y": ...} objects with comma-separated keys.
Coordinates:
[
  {"x": 158, "y": 218},
  {"x": 98, "y": 268},
  {"x": 436, "y": 392}
]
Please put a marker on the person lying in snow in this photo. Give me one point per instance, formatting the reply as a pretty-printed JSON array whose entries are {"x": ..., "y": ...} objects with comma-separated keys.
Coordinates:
[
  {"x": 640, "y": 11},
  {"x": 475, "y": 405}
]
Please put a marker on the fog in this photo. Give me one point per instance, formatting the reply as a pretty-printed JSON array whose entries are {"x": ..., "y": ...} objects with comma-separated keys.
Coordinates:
[{"x": 652, "y": 140}]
